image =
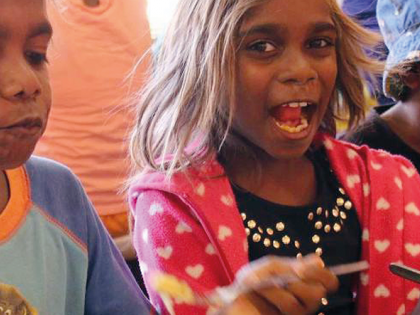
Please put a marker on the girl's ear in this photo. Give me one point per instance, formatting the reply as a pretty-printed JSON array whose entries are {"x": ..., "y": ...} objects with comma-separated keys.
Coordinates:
[{"x": 91, "y": 3}]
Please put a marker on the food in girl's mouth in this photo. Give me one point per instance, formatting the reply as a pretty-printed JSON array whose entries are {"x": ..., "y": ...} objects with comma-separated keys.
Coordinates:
[{"x": 292, "y": 117}]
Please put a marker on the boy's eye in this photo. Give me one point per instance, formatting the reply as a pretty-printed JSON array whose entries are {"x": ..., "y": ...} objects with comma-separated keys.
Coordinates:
[
  {"x": 262, "y": 46},
  {"x": 320, "y": 43},
  {"x": 36, "y": 58}
]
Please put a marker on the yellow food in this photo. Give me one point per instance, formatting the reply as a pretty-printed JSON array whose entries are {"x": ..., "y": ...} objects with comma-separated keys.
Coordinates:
[{"x": 171, "y": 286}]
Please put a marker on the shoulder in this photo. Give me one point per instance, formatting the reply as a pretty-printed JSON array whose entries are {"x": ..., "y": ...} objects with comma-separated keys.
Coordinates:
[
  {"x": 352, "y": 157},
  {"x": 196, "y": 184},
  {"x": 47, "y": 175},
  {"x": 374, "y": 131},
  {"x": 358, "y": 151},
  {"x": 369, "y": 132},
  {"x": 183, "y": 183},
  {"x": 58, "y": 192},
  {"x": 43, "y": 167}
]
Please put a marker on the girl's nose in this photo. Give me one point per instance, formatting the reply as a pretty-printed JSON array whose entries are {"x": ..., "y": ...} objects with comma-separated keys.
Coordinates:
[
  {"x": 19, "y": 81},
  {"x": 299, "y": 70}
]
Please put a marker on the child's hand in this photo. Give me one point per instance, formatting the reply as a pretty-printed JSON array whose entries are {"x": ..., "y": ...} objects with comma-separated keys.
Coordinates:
[{"x": 299, "y": 297}]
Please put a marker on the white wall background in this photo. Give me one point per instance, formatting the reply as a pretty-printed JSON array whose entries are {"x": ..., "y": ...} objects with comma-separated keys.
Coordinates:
[{"x": 160, "y": 12}]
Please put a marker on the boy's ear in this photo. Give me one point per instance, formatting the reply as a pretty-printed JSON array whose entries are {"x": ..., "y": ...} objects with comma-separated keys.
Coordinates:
[{"x": 91, "y": 3}]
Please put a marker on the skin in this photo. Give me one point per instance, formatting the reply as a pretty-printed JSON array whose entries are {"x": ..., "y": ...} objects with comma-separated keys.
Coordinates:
[
  {"x": 24, "y": 85},
  {"x": 300, "y": 297},
  {"x": 284, "y": 56},
  {"x": 403, "y": 118}
]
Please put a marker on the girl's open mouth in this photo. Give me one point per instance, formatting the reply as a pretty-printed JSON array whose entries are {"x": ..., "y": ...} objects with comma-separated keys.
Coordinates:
[{"x": 293, "y": 117}]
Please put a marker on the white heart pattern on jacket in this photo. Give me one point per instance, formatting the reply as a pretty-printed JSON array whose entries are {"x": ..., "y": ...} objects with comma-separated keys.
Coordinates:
[
  {"x": 351, "y": 154},
  {"x": 382, "y": 291},
  {"x": 210, "y": 249},
  {"x": 224, "y": 232},
  {"x": 364, "y": 278},
  {"x": 182, "y": 228},
  {"x": 412, "y": 249},
  {"x": 352, "y": 180},
  {"x": 200, "y": 190},
  {"x": 401, "y": 310},
  {"x": 366, "y": 189},
  {"x": 195, "y": 271},
  {"x": 376, "y": 166},
  {"x": 365, "y": 235},
  {"x": 400, "y": 225},
  {"x": 398, "y": 182},
  {"x": 414, "y": 294},
  {"x": 165, "y": 252},
  {"x": 155, "y": 208},
  {"x": 227, "y": 200},
  {"x": 382, "y": 246},
  {"x": 412, "y": 208},
  {"x": 382, "y": 204},
  {"x": 410, "y": 172}
]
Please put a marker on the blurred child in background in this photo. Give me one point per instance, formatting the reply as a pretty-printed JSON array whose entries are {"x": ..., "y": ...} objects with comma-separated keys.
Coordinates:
[{"x": 396, "y": 129}]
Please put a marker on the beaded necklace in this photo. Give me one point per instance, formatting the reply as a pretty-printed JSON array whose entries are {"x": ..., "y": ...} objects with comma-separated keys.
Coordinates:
[{"x": 324, "y": 221}]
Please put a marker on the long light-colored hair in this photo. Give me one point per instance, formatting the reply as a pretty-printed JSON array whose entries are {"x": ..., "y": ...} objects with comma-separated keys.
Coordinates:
[{"x": 186, "y": 108}]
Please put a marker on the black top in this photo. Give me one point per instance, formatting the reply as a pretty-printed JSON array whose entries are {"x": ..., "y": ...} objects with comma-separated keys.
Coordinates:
[
  {"x": 329, "y": 226},
  {"x": 375, "y": 133}
]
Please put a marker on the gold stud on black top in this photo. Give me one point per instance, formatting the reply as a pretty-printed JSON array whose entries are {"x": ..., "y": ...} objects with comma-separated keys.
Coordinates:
[
  {"x": 280, "y": 226},
  {"x": 252, "y": 224},
  {"x": 323, "y": 220},
  {"x": 348, "y": 205}
]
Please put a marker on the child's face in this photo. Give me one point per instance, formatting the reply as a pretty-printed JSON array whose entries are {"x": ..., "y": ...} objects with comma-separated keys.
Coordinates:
[
  {"x": 286, "y": 75},
  {"x": 24, "y": 87}
]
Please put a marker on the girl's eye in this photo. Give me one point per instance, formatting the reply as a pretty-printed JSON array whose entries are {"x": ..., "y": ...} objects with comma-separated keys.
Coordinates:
[
  {"x": 35, "y": 58},
  {"x": 262, "y": 46},
  {"x": 321, "y": 43}
]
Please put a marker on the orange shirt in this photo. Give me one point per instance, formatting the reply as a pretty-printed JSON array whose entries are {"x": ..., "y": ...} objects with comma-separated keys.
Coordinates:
[{"x": 92, "y": 55}]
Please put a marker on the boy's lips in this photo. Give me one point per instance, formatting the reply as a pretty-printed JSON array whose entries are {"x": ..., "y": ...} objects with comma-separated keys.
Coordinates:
[{"x": 26, "y": 126}]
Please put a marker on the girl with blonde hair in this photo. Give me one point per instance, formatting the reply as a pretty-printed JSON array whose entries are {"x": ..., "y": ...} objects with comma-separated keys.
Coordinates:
[{"x": 236, "y": 160}]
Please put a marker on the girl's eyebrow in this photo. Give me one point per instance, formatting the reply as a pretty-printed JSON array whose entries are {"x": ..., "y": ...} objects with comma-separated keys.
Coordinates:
[
  {"x": 269, "y": 29},
  {"x": 323, "y": 27}
]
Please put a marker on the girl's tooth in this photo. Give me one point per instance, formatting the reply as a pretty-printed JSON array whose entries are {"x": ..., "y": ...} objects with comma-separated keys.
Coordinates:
[
  {"x": 294, "y": 104},
  {"x": 303, "y": 104},
  {"x": 286, "y": 126}
]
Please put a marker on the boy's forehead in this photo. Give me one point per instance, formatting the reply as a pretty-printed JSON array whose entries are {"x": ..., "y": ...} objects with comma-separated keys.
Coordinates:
[{"x": 26, "y": 17}]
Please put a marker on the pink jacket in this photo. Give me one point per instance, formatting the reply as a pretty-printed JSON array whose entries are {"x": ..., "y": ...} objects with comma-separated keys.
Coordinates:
[{"x": 191, "y": 227}]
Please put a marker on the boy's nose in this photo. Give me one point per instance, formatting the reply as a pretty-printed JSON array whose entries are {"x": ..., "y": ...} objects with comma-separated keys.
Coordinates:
[{"x": 19, "y": 82}]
